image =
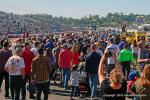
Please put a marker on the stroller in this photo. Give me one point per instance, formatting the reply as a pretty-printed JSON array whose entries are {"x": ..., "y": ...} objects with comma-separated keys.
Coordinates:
[{"x": 84, "y": 87}]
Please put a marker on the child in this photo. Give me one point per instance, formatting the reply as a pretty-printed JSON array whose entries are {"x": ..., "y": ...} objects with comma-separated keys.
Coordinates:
[{"x": 74, "y": 81}]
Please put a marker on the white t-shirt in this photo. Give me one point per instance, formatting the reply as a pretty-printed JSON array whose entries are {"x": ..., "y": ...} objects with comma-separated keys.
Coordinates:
[
  {"x": 35, "y": 51},
  {"x": 113, "y": 48},
  {"x": 14, "y": 64},
  {"x": 74, "y": 78},
  {"x": 134, "y": 49}
]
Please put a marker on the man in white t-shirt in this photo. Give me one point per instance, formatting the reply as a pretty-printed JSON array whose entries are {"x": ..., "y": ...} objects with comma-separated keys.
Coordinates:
[
  {"x": 15, "y": 67},
  {"x": 35, "y": 49},
  {"x": 111, "y": 49}
]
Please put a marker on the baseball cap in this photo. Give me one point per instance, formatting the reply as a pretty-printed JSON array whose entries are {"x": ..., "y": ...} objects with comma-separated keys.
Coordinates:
[{"x": 133, "y": 74}]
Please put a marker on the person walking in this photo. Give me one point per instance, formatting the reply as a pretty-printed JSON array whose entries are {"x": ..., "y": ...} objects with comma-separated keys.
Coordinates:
[
  {"x": 125, "y": 58},
  {"x": 28, "y": 57},
  {"x": 41, "y": 70},
  {"x": 75, "y": 76},
  {"x": 56, "y": 52},
  {"x": 5, "y": 54},
  {"x": 15, "y": 67},
  {"x": 91, "y": 67},
  {"x": 65, "y": 63}
]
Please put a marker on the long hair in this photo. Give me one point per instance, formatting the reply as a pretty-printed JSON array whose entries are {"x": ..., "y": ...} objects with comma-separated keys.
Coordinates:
[
  {"x": 135, "y": 43},
  {"x": 74, "y": 49},
  {"x": 145, "y": 76},
  {"x": 115, "y": 76}
]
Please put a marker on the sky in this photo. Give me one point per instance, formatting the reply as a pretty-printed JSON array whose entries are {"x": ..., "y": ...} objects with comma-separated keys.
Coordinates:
[{"x": 75, "y": 8}]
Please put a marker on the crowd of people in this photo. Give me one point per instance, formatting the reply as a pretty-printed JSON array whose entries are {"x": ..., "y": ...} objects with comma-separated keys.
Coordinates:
[{"x": 81, "y": 62}]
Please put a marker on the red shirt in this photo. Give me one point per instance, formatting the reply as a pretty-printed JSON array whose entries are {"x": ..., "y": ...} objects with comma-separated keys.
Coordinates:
[
  {"x": 75, "y": 58},
  {"x": 28, "y": 56},
  {"x": 65, "y": 59}
]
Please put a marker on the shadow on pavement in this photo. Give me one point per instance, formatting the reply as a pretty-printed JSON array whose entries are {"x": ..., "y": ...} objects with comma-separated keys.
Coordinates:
[{"x": 60, "y": 92}]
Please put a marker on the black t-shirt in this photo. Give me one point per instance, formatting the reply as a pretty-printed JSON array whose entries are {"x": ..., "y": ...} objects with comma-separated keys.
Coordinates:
[
  {"x": 113, "y": 94},
  {"x": 92, "y": 63},
  {"x": 84, "y": 49}
]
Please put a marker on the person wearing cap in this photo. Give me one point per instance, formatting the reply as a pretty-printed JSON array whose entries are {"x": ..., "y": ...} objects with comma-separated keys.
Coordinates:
[
  {"x": 15, "y": 67},
  {"x": 49, "y": 44},
  {"x": 5, "y": 54},
  {"x": 122, "y": 43},
  {"x": 65, "y": 64},
  {"x": 133, "y": 76}
]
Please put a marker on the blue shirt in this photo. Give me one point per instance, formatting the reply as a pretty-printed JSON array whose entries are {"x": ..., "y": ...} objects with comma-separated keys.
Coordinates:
[
  {"x": 49, "y": 45},
  {"x": 121, "y": 45}
]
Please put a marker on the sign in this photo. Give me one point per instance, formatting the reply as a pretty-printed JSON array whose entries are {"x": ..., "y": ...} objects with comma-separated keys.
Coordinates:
[{"x": 140, "y": 19}]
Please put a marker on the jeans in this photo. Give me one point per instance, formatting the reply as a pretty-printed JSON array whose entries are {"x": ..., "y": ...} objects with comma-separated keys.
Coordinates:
[
  {"x": 53, "y": 73},
  {"x": 15, "y": 86},
  {"x": 6, "y": 76},
  {"x": 23, "y": 91},
  {"x": 42, "y": 87},
  {"x": 65, "y": 77},
  {"x": 93, "y": 80},
  {"x": 74, "y": 89}
]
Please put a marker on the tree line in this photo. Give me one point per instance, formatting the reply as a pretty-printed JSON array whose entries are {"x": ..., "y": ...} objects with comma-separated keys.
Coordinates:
[{"x": 111, "y": 19}]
